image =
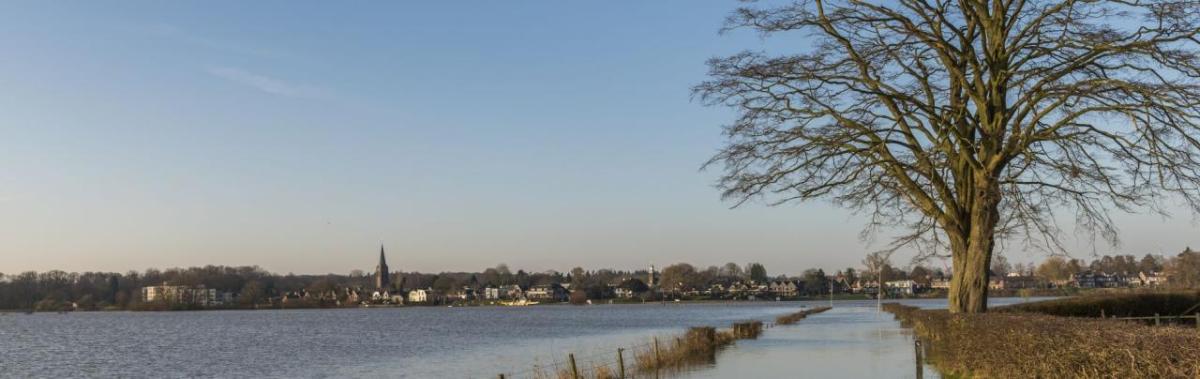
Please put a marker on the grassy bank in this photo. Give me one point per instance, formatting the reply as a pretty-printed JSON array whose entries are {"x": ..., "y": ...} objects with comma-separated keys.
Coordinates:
[
  {"x": 1026, "y": 345},
  {"x": 1123, "y": 303}
]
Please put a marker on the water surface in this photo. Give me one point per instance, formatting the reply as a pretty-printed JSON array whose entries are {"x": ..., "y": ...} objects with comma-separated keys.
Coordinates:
[{"x": 852, "y": 340}]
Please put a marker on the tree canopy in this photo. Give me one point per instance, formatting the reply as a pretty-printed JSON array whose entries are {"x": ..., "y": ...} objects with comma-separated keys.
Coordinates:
[{"x": 967, "y": 122}]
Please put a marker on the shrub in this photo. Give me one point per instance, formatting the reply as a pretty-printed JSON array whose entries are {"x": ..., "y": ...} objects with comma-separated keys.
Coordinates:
[{"x": 578, "y": 297}]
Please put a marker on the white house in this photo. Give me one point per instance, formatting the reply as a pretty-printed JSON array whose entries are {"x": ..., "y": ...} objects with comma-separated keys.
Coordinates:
[
  {"x": 491, "y": 293},
  {"x": 903, "y": 287},
  {"x": 420, "y": 295},
  {"x": 195, "y": 295}
]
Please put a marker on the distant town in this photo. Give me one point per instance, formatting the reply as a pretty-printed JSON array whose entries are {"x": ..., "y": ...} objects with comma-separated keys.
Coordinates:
[{"x": 222, "y": 287}]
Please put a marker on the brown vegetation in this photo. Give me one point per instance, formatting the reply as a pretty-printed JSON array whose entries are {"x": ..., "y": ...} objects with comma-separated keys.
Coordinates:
[
  {"x": 1027, "y": 345},
  {"x": 1120, "y": 304},
  {"x": 792, "y": 318}
]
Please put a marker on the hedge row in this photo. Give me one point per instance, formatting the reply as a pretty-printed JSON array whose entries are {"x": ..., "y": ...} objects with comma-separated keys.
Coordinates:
[
  {"x": 1026, "y": 345},
  {"x": 1121, "y": 304}
]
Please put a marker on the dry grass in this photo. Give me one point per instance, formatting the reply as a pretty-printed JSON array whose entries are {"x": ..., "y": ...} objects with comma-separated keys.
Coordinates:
[
  {"x": 698, "y": 347},
  {"x": 794, "y": 317},
  {"x": 1026, "y": 345}
]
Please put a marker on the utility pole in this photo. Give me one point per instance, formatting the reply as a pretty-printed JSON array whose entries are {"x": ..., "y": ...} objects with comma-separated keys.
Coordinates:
[
  {"x": 831, "y": 295},
  {"x": 879, "y": 292}
]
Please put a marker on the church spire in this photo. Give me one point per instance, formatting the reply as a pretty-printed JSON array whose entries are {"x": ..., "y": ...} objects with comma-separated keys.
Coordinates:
[{"x": 383, "y": 279}]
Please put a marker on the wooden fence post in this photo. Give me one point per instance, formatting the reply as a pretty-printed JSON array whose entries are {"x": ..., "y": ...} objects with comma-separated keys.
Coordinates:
[
  {"x": 574, "y": 370},
  {"x": 1157, "y": 322},
  {"x": 1197, "y": 320},
  {"x": 917, "y": 350},
  {"x": 621, "y": 362},
  {"x": 1101, "y": 312}
]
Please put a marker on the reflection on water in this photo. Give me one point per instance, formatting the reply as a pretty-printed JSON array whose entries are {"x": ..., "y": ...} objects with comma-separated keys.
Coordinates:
[
  {"x": 852, "y": 340},
  {"x": 415, "y": 342}
]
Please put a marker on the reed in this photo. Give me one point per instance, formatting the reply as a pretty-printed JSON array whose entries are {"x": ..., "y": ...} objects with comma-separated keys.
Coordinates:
[
  {"x": 1027, "y": 345},
  {"x": 794, "y": 317}
]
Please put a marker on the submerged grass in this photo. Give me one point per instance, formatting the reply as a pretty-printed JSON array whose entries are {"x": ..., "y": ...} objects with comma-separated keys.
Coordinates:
[
  {"x": 792, "y": 318},
  {"x": 697, "y": 347},
  {"x": 1026, "y": 345}
]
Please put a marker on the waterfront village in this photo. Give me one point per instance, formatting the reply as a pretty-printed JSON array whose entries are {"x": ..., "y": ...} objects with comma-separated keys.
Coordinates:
[{"x": 386, "y": 291}]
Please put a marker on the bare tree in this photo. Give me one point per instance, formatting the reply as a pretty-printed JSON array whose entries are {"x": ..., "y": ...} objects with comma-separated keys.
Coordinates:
[
  {"x": 876, "y": 262},
  {"x": 967, "y": 122}
]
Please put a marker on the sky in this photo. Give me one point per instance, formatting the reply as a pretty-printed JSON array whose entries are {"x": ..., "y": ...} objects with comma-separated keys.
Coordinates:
[{"x": 299, "y": 136}]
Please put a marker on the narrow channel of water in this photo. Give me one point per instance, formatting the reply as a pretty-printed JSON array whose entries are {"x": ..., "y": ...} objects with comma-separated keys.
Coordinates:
[{"x": 852, "y": 340}]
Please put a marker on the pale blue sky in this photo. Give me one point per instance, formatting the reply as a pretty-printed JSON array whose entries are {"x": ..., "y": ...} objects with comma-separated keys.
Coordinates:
[{"x": 461, "y": 134}]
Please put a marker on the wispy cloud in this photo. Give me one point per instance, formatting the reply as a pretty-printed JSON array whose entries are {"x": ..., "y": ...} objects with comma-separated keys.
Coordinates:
[{"x": 265, "y": 83}]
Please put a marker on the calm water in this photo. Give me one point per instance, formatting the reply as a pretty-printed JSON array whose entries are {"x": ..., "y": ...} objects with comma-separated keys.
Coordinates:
[{"x": 422, "y": 342}]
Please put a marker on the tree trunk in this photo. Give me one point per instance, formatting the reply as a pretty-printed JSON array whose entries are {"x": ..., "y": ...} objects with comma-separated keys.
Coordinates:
[{"x": 971, "y": 247}]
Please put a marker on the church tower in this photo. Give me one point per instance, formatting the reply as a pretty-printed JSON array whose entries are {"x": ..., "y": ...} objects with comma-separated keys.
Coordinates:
[{"x": 383, "y": 278}]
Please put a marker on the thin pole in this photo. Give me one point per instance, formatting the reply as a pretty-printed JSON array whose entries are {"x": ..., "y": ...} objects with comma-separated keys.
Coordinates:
[
  {"x": 879, "y": 293},
  {"x": 917, "y": 350},
  {"x": 574, "y": 370},
  {"x": 621, "y": 362}
]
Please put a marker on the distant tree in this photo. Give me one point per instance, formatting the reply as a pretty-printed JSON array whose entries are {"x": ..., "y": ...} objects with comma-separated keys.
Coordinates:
[
  {"x": 921, "y": 275},
  {"x": 1075, "y": 266},
  {"x": 253, "y": 293},
  {"x": 731, "y": 270},
  {"x": 877, "y": 263},
  {"x": 678, "y": 276},
  {"x": 1054, "y": 269},
  {"x": 1000, "y": 265},
  {"x": 578, "y": 277},
  {"x": 850, "y": 274},
  {"x": 635, "y": 285},
  {"x": 757, "y": 272},
  {"x": 1183, "y": 271},
  {"x": 502, "y": 269},
  {"x": 445, "y": 283},
  {"x": 522, "y": 279},
  {"x": 815, "y": 282},
  {"x": 1150, "y": 263}
]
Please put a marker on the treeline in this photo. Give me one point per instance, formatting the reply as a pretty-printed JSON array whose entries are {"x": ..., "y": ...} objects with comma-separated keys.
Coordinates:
[
  {"x": 250, "y": 285},
  {"x": 1181, "y": 270}
]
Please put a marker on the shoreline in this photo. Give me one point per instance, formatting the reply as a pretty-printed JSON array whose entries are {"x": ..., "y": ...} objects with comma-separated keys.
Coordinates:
[{"x": 7, "y": 312}]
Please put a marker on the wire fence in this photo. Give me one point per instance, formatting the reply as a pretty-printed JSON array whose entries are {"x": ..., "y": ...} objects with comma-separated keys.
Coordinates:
[{"x": 651, "y": 359}]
